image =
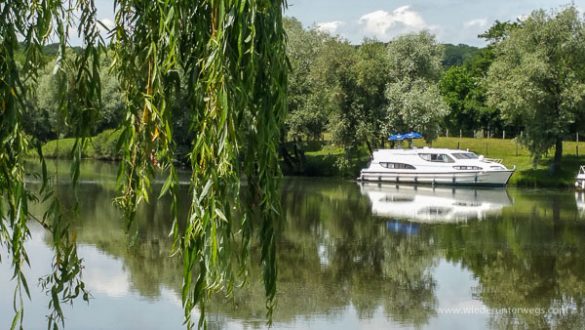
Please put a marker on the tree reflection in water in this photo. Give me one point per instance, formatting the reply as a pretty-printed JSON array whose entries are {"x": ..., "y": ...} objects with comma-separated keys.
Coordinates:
[
  {"x": 334, "y": 254},
  {"x": 529, "y": 261}
]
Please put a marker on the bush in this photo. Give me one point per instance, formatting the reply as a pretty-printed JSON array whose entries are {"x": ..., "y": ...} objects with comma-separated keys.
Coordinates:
[
  {"x": 61, "y": 149},
  {"x": 101, "y": 146},
  {"x": 104, "y": 145}
]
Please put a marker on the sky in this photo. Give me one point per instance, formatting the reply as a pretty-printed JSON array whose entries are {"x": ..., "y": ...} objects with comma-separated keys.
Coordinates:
[{"x": 452, "y": 21}]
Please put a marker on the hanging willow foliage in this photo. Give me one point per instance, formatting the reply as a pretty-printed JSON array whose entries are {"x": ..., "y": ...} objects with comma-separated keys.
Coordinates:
[{"x": 229, "y": 56}]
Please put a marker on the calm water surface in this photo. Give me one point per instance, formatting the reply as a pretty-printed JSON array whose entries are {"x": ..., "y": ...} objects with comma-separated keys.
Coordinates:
[{"x": 350, "y": 256}]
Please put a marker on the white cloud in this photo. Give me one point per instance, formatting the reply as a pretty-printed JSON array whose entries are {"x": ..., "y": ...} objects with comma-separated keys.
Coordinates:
[
  {"x": 476, "y": 23},
  {"x": 385, "y": 25},
  {"x": 113, "y": 286},
  {"x": 330, "y": 27},
  {"x": 104, "y": 275},
  {"x": 106, "y": 25}
]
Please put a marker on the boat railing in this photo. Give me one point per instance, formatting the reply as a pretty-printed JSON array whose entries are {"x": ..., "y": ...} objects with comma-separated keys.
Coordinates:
[
  {"x": 582, "y": 169},
  {"x": 495, "y": 160}
]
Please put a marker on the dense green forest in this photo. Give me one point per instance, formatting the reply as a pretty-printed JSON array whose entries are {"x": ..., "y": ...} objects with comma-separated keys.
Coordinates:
[{"x": 353, "y": 96}]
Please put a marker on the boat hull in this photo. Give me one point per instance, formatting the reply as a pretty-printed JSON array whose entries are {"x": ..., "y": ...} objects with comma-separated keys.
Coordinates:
[
  {"x": 416, "y": 203},
  {"x": 484, "y": 178}
]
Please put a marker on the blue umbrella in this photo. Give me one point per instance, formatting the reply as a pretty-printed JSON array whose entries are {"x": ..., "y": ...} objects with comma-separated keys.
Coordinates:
[
  {"x": 396, "y": 226},
  {"x": 396, "y": 137},
  {"x": 413, "y": 135}
]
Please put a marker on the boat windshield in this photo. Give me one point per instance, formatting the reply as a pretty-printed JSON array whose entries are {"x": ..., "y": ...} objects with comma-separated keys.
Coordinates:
[
  {"x": 465, "y": 155},
  {"x": 439, "y": 158}
]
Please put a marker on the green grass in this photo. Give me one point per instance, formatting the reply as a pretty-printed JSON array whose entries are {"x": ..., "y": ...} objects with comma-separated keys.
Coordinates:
[
  {"x": 322, "y": 162},
  {"x": 104, "y": 145},
  {"x": 61, "y": 149},
  {"x": 101, "y": 146},
  {"x": 514, "y": 154}
]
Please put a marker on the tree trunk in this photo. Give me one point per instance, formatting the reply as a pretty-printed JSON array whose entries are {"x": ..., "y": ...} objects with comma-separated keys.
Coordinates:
[
  {"x": 369, "y": 147},
  {"x": 556, "y": 166},
  {"x": 291, "y": 161},
  {"x": 299, "y": 155},
  {"x": 286, "y": 155}
]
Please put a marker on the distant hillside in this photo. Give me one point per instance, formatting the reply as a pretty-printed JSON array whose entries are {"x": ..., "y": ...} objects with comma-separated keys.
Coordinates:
[
  {"x": 454, "y": 54},
  {"x": 457, "y": 54},
  {"x": 50, "y": 50}
]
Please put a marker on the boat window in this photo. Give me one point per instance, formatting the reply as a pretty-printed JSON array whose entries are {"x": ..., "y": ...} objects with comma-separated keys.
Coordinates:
[
  {"x": 397, "y": 199},
  {"x": 399, "y": 166},
  {"x": 439, "y": 158},
  {"x": 458, "y": 167},
  {"x": 434, "y": 210},
  {"x": 426, "y": 157},
  {"x": 470, "y": 204},
  {"x": 465, "y": 155}
]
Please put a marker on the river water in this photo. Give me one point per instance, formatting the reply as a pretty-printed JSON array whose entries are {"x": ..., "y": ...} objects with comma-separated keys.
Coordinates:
[{"x": 351, "y": 256}]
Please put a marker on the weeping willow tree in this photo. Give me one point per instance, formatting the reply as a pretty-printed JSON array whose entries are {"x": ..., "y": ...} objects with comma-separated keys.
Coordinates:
[{"x": 229, "y": 56}]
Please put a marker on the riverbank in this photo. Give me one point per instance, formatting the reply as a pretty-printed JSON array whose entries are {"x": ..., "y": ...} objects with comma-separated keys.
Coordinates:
[
  {"x": 101, "y": 147},
  {"x": 324, "y": 161}
]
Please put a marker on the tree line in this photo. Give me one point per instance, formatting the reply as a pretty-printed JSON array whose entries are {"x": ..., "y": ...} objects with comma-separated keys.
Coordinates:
[{"x": 529, "y": 79}]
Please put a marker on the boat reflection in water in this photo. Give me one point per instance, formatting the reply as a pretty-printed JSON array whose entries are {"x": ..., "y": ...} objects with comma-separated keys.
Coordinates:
[
  {"x": 426, "y": 204},
  {"x": 580, "y": 199}
]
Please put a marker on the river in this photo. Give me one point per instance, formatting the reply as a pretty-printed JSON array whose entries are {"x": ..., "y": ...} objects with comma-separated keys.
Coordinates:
[{"x": 350, "y": 256}]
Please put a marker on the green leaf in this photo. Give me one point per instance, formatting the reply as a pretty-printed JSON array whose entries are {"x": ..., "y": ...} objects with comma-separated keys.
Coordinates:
[
  {"x": 16, "y": 319},
  {"x": 205, "y": 190},
  {"x": 169, "y": 182}
]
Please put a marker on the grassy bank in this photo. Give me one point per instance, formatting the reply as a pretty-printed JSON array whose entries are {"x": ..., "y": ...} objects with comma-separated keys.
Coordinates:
[
  {"x": 513, "y": 154},
  {"x": 322, "y": 162},
  {"x": 325, "y": 161},
  {"x": 101, "y": 146}
]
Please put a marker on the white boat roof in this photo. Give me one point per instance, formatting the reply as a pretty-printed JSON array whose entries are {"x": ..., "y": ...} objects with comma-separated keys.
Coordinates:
[
  {"x": 420, "y": 150},
  {"x": 416, "y": 151}
]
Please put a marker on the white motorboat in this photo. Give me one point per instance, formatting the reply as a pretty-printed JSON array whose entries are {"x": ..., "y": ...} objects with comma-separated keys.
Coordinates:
[
  {"x": 580, "y": 181},
  {"x": 435, "y": 166},
  {"x": 434, "y": 204}
]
